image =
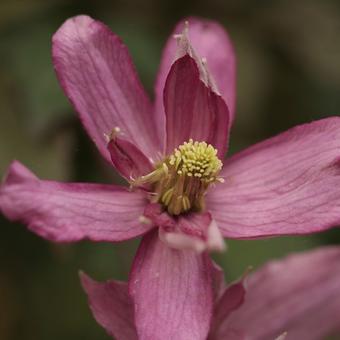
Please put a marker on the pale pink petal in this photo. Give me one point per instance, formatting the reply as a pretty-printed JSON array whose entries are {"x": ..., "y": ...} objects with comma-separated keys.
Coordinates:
[
  {"x": 192, "y": 109},
  {"x": 210, "y": 41},
  {"x": 288, "y": 184},
  {"x": 282, "y": 336},
  {"x": 67, "y": 212},
  {"x": 298, "y": 295},
  {"x": 96, "y": 72},
  {"x": 128, "y": 159},
  {"x": 181, "y": 241},
  {"x": 111, "y": 306},
  {"x": 202, "y": 227},
  {"x": 172, "y": 292},
  {"x": 194, "y": 231},
  {"x": 214, "y": 238}
]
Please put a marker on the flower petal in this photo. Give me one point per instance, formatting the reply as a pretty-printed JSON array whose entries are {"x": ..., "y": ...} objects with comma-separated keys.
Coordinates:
[
  {"x": 218, "y": 280},
  {"x": 282, "y": 336},
  {"x": 95, "y": 70},
  {"x": 111, "y": 306},
  {"x": 194, "y": 231},
  {"x": 172, "y": 292},
  {"x": 192, "y": 109},
  {"x": 288, "y": 184},
  {"x": 70, "y": 212},
  {"x": 231, "y": 299},
  {"x": 181, "y": 241},
  {"x": 210, "y": 41},
  {"x": 128, "y": 159},
  {"x": 298, "y": 295}
]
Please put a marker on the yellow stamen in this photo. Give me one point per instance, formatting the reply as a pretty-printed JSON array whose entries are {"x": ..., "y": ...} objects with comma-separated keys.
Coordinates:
[
  {"x": 197, "y": 159},
  {"x": 181, "y": 180}
]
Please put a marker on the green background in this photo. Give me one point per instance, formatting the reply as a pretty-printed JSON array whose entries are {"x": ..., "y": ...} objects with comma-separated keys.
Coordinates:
[{"x": 288, "y": 56}]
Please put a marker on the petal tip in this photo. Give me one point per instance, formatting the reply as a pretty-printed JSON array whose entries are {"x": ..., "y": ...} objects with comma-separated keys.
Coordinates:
[{"x": 70, "y": 24}]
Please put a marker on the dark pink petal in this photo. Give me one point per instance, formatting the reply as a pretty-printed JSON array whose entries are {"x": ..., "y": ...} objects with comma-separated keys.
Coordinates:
[
  {"x": 96, "y": 72},
  {"x": 172, "y": 292},
  {"x": 288, "y": 184},
  {"x": 70, "y": 212},
  {"x": 194, "y": 231},
  {"x": 192, "y": 109},
  {"x": 298, "y": 295},
  {"x": 210, "y": 41},
  {"x": 128, "y": 159},
  {"x": 231, "y": 300},
  {"x": 155, "y": 213},
  {"x": 218, "y": 280},
  {"x": 111, "y": 306}
]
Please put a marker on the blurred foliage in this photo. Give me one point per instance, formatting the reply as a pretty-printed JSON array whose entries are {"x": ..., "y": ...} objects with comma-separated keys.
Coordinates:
[{"x": 288, "y": 73}]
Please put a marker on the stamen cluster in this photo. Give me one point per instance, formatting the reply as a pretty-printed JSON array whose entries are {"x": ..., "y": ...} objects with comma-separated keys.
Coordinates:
[
  {"x": 197, "y": 159},
  {"x": 180, "y": 182}
]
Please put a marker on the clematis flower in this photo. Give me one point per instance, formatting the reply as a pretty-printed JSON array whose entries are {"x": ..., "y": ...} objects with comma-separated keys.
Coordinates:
[
  {"x": 293, "y": 298},
  {"x": 183, "y": 196}
]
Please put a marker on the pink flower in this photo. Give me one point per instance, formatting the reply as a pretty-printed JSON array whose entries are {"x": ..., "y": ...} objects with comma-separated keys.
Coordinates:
[
  {"x": 297, "y": 297},
  {"x": 171, "y": 153}
]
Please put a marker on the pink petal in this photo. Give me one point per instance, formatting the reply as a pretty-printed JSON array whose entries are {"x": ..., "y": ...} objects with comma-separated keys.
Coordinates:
[
  {"x": 218, "y": 280},
  {"x": 194, "y": 231},
  {"x": 155, "y": 213},
  {"x": 298, "y": 295},
  {"x": 288, "y": 184},
  {"x": 231, "y": 300},
  {"x": 172, "y": 292},
  {"x": 66, "y": 212},
  {"x": 96, "y": 72},
  {"x": 111, "y": 306},
  {"x": 192, "y": 109},
  {"x": 210, "y": 41},
  {"x": 128, "y": 159}
]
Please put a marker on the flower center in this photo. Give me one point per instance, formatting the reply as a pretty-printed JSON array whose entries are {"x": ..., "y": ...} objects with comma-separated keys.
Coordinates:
[{"x": 179, "y": 183}]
